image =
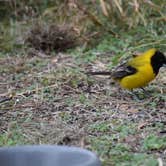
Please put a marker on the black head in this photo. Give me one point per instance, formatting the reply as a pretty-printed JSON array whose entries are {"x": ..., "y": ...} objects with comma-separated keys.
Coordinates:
[{"x": 157, "y": 61}]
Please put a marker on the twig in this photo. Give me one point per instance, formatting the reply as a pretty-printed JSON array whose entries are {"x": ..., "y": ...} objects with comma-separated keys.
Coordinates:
[{"x": 5, "y": 99}]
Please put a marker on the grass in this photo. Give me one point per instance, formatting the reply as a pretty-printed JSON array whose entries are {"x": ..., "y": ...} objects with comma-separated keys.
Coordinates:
[
  {"x": 153, "y": 142},
  {"x": 56, "y": 103},
  {"x": 13, "y": 136},
  {"x": 50, "y": 100}
]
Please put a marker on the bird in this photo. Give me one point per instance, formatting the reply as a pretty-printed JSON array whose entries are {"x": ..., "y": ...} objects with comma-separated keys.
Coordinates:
[{"x": 138, "y": 71}]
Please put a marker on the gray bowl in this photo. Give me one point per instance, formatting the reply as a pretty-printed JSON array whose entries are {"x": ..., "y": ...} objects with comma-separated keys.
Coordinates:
[{"x": 47, "y": 155}]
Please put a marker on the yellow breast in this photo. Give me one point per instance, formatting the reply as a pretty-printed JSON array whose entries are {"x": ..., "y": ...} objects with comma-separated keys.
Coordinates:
[{"x": 141, "y": 78}]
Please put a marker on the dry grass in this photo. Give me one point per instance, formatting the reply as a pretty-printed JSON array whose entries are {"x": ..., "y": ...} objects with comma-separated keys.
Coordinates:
[
  {"x": 132, "y": 13},
  {"x": 67, "y": 107},
  {"x": 47, "y": 98},
  {"x": 48, "y": 38}
]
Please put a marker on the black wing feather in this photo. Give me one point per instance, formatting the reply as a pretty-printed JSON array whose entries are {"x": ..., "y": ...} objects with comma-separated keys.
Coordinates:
[
  {"x": 118, "y": 73},
  {"x": 122, "y": 71}
]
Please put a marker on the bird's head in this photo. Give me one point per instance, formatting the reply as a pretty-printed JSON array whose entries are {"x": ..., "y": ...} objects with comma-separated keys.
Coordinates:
[
  {"x": 161, "y": 59},
  {"x": 158, "y": 60}
]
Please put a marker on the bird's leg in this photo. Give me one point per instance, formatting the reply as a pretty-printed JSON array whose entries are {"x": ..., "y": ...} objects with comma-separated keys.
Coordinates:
[
  {"x": 133, "y": 95},
  {"x": 145, "y": 91},
  {"x": 138, "y": 96}
]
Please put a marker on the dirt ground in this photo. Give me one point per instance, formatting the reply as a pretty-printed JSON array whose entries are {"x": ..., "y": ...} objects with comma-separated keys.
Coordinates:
[{"x": 46, "y": 99}]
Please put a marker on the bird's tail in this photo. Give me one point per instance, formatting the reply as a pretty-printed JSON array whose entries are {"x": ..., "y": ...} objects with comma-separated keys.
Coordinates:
[{"x": 99, "y": 72}]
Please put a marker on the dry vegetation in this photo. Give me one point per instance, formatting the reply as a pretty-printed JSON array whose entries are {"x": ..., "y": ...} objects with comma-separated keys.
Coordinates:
[
  {"x": 45, "y": 97},
  {"x": 50, "y": 37}
]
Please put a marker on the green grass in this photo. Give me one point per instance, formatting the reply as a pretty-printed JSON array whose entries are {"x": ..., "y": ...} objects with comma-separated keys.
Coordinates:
[
  {"x": 153, "y": 142},
  {"x": 114, "y": 150},
  {"x": 12, "y": 137},
  {"x": 66, "y": 103},
  {"x": 128, "y": 159}
]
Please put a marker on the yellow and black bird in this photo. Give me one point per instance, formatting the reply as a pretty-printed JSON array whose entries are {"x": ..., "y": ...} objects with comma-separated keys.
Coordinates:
[{"x": 138, "y": 71}]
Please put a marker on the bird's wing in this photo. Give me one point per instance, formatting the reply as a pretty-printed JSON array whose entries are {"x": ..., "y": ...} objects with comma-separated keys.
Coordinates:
[{"x": 123, "y": 70}]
